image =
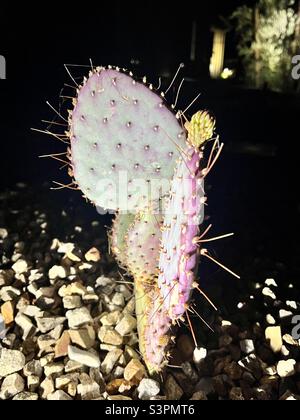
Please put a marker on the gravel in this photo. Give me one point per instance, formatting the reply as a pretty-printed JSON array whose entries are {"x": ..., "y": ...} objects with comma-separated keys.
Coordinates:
[{"x": 68, "y": 330}]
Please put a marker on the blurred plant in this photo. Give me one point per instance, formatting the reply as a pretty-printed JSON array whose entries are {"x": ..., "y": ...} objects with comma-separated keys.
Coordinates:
[{"x": 268, "y": 36}]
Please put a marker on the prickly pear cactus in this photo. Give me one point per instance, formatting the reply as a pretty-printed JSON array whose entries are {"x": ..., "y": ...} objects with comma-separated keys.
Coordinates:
[
  {"x": 179, "y": 251},
  {"x": 183, "y": 216},
  {"x": 143, "y": 242},
  {"x": 140, "y": 254},
  {"x": 129, "y": 153},
  {"x": 154, "y": 327},
  {"x": 121, "y": 133},
  {"x": 117, "y": 236}
]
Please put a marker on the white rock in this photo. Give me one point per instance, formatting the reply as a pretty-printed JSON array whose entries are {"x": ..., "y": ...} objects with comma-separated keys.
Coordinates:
[
  {"x": 86, "y": 358},
  {"x": 130, "y": 353},
  {"x": 64, "y": 248},
  {"x": 33, "y": 289},
  {"x": 11, "y": 361},
  {"x": 48, "y": 292},
  {"x": 273, "y": 335},
  {"x": 111, "y": 318},
  {"x": 11, "y": 386},
  {"x": 90, "y": 298},
  {"x": 29, "y": 330},
  {"x": 59, "y": 396},
  {"x": 285, "y": 351},
  {"x": 247, "y": 346},
  {"x": 130, "y": 307},
  {"x": 268, "y": 293},
  {"x": 54, "y": 369},
  {"x": 33, "y": 368},
  {"x": 110, "y": 360},
  {"x": 126, "y": 325},
  {"x": 47, "y": 387},
  {"x": 148, "y": 388},
  {"x": 93, "y": 255},
  {"x": 8, "y": 293},
  {"x": 271, "y": 371},
  {"x": 72, "y": 302},
  {"x": 122, "y": 288},
  {"x": 33, "y": 311},
  {"x": 45, "y": 341},
  {"x": 118, "y": 372},
  {"x": 33, "y": 383},
  {"x": 57, "y": 271},
  {"x": 289, "y": 396},
  {"x": 48, "y": 358},
  {"x": 55, "y": 244},
  {"x": 79, "y": 317},
  {"x": 35, "y": 275},
  {"x": 84, "y": 338},
  {"x": 88, "y": 389},
  {"x": 108, "y": 335},
  {"x": 85, "y": 266},
  {"x": 285, "y": 314},
  {"x": 270, "y": 319},
  {"x": 75, "y": 288},
  {"x": 47, "y": 324},
  {"x": 3, "y": 233},
  {"x": 286, "y": 368},
  {"x": 271, "y": 282},
  {"x": 20, "y": 267},
  {"x": 26, "y": 396},
  {"x": 290, "y": 340},
  {"x": 291, "y": 304},
  {"x": 103, "y": 281},
  {"x": 72, "y": 367},
  {"x": 16, "y": 256},
  {"x": 200, "y": 354}
]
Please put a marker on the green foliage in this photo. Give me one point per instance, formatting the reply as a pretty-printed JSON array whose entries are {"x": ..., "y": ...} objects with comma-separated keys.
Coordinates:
[{"x": 266, "y": 38}]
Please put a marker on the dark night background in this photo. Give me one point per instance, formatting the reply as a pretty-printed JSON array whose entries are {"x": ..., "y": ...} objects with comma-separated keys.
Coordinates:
[{"x": 254, "y": 188}]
